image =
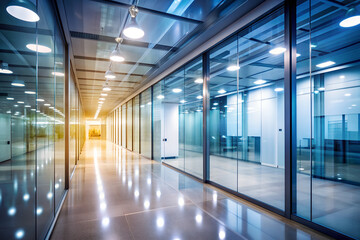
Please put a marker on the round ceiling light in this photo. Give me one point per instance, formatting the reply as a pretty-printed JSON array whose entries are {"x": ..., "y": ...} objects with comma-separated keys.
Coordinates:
[
  {"x": 38, "y": 48},
  {"x": 352, "y": 19},
  {"x": 23, "y": 9}
]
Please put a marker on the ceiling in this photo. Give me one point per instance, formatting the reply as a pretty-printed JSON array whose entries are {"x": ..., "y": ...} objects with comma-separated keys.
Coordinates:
[{"x": 93, "y": 26}]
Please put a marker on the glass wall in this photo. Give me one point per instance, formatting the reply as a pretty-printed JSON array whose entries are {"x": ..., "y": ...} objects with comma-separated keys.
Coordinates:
[
  {"x": 246, "y": 112},
  {"x": 129, "y": 125},
  {"x": 123, "y": 125},
  {"x": 145, "y": 123},
  {"x": 328, "y": 135},
  {"x": 157, "y": 120},
  {"x": 136, "y": 124},
  {"x": 246, "y": 116},
  {"x": 32, "y": 119}
]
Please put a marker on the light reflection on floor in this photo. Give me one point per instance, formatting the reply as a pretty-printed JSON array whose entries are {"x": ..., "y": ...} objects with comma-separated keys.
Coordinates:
[{"x": 116, "y": 194}]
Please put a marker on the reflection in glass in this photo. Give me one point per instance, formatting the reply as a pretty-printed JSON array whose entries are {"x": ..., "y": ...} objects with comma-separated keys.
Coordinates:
[
  {"x": 328, "y": 134},
  {"x": 145, "y": 123},
  {"x": 246, "y": 112}
]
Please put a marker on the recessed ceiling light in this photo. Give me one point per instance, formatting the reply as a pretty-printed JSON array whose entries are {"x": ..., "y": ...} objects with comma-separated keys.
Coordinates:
[
  {"x": 100, "y": 102},
  {"x": 215, "y": 104},
  {"x": 177, "y": 90},
  {"x": 232, "y": 68},
  {"x": 160, "y": 97},
  {"x": 27, "y": 106},
  {"x": 342, "y": 77},
  {"x": 347, "y": 94},
  {"x": 47, "y": 104},
  {"x": 30, "y": 92},
  {"x": 277, "y": 51},
  {"x": 20, "y": 102},
  {"x": 182, "y": 101},
  {"x": 260, "y": 81},
  {"x": 106, "y": 89},
  {"x": 18, "y": 83},
  {"x": 38, "y": 48},
  {"x": 221, "y": 91},
  {"x": 298, "y": 55},
  {"x": 102, "y": 99},
  {"x": 16, "y": 105},
  {"x": 321, "y": 89},
  {"x": 23, "y": 9},
  {"x": 199, "y": 80},
  {"x": 40, "y": 100},
  {"x": 278, "y": 89},
  {"x": 352, "y": 19},
  {"x": 104, "y": 94},
  {"x": 132, "y": 29},
  {"x": 313, "y": 45},
  {"x": 10, "y": 98},
  {"x": 325, "y": 64},
  {"x": 58, "y": 74},
  {"x": 199, "y": 97}
]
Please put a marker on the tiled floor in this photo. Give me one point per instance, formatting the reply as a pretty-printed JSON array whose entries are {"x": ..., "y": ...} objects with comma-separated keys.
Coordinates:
[{"x": 116, "y": 194}]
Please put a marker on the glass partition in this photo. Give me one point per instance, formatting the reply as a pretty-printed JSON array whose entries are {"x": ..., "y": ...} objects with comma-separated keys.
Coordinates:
[
  {"x": 32, "y": 108},
  {"x": 192, "y": 113},
  {"x": 328, "y": 135},
  {"x": 136, "y": 124},
  {"x": 129, "y": 124},
  {"x": 158, "y": 123},
  {"x": 145, "y": 123},
  {"x": 247, "y": 111},
  {"x": 123, "y": 125}
]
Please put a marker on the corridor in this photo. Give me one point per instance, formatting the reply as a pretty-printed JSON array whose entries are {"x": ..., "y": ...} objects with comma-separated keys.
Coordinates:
[{"x": 117, "y": 194}]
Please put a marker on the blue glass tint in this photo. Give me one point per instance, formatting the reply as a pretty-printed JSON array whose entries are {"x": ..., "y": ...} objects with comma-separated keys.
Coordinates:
[{"x": 328, "y": 134}]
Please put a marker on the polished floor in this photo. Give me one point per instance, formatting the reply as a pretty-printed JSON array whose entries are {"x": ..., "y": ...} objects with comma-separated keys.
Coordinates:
[{"x": 116, "y": 194}]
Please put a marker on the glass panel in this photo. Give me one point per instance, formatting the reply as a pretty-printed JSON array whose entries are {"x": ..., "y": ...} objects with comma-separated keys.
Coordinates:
[
  {"x": 18, "y": 130},
  {"x": 123, "y": 124},
  {"x": 328, "y": 97},
  {"x": 247, "y": 111},
  {"x": 261, "y": 111},
  {"x": 59, "y": 118},
  {"x": 173, "y": 120},
  {"x": 193, "y": 118},
  {"x": 223, "y": 108},
  {"x": 129, "y": 125},
  {"x": 145, "y": 122},
  {"x": 45, "y": 125},
  {"x": 136, "y": 124},
  {"x": 72, "y": 143},
  {"x": 158, "y": 111}
]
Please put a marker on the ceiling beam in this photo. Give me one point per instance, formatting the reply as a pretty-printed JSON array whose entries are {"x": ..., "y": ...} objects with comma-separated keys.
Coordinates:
[
  {"x": 110, "y": 39},
  {"x": 119, "y": 73},
  {"x": 151, "y": 11},
  {"x": 108, "y": 60}
]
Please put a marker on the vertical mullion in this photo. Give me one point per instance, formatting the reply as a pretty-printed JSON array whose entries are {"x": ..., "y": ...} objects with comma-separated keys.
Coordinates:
[
  {"x": 206, "y": 113},
  {"x": 67, "y": 117},
  {"x": 290, "y": 107}
]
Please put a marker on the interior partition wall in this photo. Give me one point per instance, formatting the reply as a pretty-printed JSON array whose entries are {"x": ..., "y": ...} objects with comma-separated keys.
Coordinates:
[
  {"x": 33, "y": 103},
  {"x": 270, "y": 114}
]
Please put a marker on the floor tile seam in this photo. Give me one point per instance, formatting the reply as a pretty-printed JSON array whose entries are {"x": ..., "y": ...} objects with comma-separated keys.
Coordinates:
[
  {"x": 156, "y": 209},
  {"x": 130, "y": 230}
]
